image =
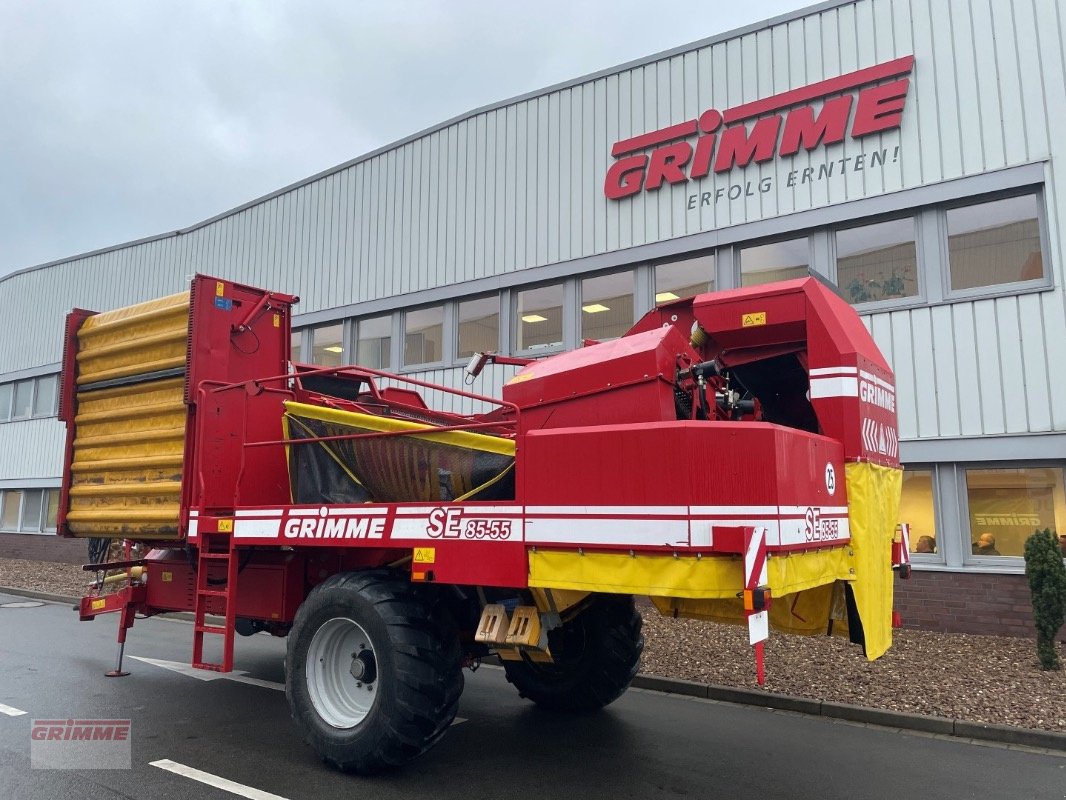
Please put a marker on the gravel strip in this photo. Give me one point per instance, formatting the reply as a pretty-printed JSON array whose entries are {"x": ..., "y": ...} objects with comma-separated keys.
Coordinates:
[
  {"x": 45, "y": 576},
  {"x": 989, "y": 679}
]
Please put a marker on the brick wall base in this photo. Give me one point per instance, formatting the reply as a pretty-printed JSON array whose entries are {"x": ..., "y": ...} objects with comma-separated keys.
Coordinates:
[
  {"x": 38, "y": 547},
  {"x": 958, "y": 602}
]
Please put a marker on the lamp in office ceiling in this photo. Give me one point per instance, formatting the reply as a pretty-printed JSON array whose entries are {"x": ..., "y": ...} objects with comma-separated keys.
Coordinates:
[
  {"x": 594, "y": 308},
  {"x": 665, "y": 297},
  {"x": 334, "y": 348},
  {"x": 533, "y": 318}
]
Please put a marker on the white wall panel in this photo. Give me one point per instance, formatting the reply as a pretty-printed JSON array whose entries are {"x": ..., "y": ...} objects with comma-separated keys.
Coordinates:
[
  {"x": 31, "y": 449},
  {"x": 986, "y": 367}
]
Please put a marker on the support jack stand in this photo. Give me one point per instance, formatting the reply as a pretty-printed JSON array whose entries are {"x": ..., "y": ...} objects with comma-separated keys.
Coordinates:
[{"x": 125, "y": 622}]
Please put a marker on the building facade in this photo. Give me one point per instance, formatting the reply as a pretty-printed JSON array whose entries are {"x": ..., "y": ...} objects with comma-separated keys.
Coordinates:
[{"x": 907, "y": 150}]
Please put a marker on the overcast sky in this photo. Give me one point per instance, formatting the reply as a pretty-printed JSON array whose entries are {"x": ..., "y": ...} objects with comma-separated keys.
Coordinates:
[{"x": 127, "y": 119}]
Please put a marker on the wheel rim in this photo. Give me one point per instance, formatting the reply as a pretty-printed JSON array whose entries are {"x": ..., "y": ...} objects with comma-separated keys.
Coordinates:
[{"x": 342, "y": 673}]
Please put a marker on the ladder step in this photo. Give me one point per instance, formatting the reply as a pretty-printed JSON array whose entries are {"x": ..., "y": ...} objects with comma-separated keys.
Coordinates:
[
  {"x": 212, "y": 593},
  {"x": 210, "y": 629},
  {"x": 215, "y": 556},
  {"x": 212, "y": 667}
]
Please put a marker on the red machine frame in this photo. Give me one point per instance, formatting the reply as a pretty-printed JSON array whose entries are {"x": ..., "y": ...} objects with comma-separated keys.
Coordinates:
[{"x": 257, "y": 554}]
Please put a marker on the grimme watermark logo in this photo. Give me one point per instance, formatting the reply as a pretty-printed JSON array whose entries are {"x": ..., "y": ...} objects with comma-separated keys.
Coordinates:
[{"x": 80, "y": 744}]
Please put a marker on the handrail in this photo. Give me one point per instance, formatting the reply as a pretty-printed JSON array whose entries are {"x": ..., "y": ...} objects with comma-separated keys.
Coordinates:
[
  {"x": 368, "y": 372},
  {"x": 213, "y": 387},
  {"x": 382, "y": 434}
]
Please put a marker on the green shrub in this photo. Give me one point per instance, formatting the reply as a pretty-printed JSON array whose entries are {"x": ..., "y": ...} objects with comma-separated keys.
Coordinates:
[{"x": 1047, "y": 584}]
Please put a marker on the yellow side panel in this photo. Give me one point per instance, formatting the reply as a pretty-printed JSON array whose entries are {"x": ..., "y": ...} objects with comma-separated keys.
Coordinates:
[
  {"x": 803, "y": 613},
  {"x": 128, "y": 451},
  {"x": 873, "y": 512},
  {"x": 718, "y": 578},
  {"x": 135, "y": 340}
]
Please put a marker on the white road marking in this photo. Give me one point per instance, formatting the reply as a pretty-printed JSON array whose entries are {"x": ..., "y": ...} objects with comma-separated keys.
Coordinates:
[
  {"x": 224, "y": 784},
  {"x": 237, "y": 676},
  {"x": 459, "y": 721},
  {"x": 11, "y": 711}
]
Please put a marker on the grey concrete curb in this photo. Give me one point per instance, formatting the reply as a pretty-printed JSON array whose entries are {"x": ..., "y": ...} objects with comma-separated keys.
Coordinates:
[
  {"x": 30, "y": 593},
  {"x": 1004, "y": 734}
]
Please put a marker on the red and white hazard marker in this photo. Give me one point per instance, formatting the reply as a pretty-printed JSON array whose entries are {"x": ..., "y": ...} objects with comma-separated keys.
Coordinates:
[{"x": 754, "y": 580}]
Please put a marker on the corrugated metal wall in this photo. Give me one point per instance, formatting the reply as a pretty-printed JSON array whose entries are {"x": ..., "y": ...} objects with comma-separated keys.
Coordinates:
[
  {"x": 521, "y": 185},
  {"x": 984, "y": 367},
  {"x": 31, "y": 449}
]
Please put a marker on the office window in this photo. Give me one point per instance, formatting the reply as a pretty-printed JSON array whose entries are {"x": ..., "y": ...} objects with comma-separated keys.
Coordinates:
[
  {"x": 540, "y": 317},
  {"x": 1007, "y": 505},
  {"x": 994, "y": 243},
  {"x": 916, "y": 508},
  {"x": 327, "y": 348},
  {"x": 44, "y": 402},
  {"x": 607, "y": 305},
  {"x": 878, "y": 262},
  {"x": 678, "y": 279},
  {"x": 9, "y": 515},
  {"x": 776, "y": 261},
  {"x": 423, "y": 336},
  {"x": 51, "y": 510},
  {"x": 374, "y": 342},
  {"x": 479, "y": 325},
  {"x": 23, "y": 405},
  {"x": 297, "y": 342},
  {"x": 31, "y": 510},
  {"x": 7, "y": 391}
]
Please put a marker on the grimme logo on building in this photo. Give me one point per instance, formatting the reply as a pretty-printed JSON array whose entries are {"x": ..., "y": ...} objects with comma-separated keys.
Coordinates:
[{"x": 857, "y": 104}]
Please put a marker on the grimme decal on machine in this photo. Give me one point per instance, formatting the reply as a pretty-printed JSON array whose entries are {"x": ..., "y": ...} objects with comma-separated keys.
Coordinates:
[
  {"x": 326, "y": 524},
  {"x": 868, "y": 102}
]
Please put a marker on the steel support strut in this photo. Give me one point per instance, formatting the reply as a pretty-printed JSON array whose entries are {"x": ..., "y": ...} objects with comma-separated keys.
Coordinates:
[{"x": 125, "y": 622}]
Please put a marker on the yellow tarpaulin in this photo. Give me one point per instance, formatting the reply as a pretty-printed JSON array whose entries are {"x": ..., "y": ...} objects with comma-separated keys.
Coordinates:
[
  {"x": 873, "y": 511},
  {"x": 804, "y": 586}
]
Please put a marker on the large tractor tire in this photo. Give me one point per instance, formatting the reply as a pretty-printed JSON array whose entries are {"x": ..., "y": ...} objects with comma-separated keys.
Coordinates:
[
  {"x": 596, "y": 655},
  {"x": 373, "y": 671}
]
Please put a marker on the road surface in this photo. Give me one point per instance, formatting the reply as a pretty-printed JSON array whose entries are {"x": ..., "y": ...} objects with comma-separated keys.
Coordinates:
[{"x": 186, "y": 730}]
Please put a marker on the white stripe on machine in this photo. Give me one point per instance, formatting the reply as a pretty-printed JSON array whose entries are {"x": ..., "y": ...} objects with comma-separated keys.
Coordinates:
[{"x": 834, "y": 387}]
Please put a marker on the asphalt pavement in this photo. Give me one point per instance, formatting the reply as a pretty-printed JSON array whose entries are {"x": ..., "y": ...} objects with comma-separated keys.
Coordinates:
[{"x": 199, "y": 727}]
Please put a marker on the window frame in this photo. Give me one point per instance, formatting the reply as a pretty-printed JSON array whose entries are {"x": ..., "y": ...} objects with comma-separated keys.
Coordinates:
[
  {"x": 447, "y": 354},
  {"x": 932, "y": 559},
  {"x": 45, "y": 493},
  {"x": 812, "y": 257},
  {"x": 14, "y": 393},
  {"x": 973, "y": 563},
  {"x": 895, "y": 303},
  {"x": 460, "y": 360},
  {"x": 309, "y": 338},
  {"x": 39, "y": 527},
  {"x": 5, "y": 415},
  {"x": 1007, "y": 288},
  {"x": 354, "y": 325},
  {"x": 53, "y": 406},
  {"x": 5, "y": 497},
  {"x": 589, "y": 276},
  {"x": 569, "y": 307},
  {"x": 666, "y": 262}
]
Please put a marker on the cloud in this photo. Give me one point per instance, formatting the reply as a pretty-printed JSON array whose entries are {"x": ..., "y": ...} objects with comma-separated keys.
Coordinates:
[{"x": 126, "y": 119}]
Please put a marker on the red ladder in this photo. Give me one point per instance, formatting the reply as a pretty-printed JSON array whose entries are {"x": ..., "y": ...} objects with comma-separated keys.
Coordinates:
[{"x": 215, "y": 548}]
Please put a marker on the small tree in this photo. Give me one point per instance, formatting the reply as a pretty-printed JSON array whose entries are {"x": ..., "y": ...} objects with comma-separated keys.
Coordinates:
[{"x": 1047, "y": 584}]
